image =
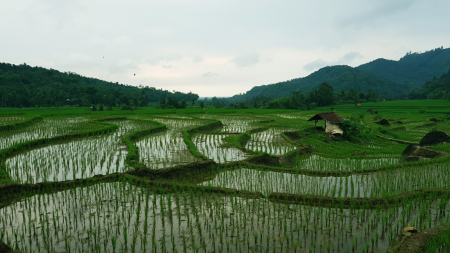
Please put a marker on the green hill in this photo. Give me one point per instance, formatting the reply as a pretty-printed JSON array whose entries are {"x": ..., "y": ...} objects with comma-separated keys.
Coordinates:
[
  {"x": 25, "y": 86},
  {"x": 340, "y": 77},
  {"x": 433, "y": 89},
  {"x": 386, "y": 77},
  {"x": 413, "y": 70}
]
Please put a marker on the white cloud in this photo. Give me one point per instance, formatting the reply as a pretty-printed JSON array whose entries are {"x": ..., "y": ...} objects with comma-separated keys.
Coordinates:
[
  {"x": 347, "y": 59},
  {"x": 209, "y": 74},
  {"x": 197, "y": 58},
  {"x": 246, "y": 59},
  {"x": 174, "y": 44},
  {"x": 317, "y": 64}
]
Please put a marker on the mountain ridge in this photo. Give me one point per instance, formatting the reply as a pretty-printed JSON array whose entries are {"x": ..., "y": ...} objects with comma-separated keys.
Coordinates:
[{"x": 387, "y": 77}]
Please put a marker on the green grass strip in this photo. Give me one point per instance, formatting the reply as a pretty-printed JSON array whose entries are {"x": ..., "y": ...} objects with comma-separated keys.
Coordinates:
[{"x": 191, "y": 146}]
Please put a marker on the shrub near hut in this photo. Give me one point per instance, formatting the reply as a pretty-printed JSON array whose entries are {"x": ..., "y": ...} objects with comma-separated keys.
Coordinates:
[{"x": 353, "y": 128}]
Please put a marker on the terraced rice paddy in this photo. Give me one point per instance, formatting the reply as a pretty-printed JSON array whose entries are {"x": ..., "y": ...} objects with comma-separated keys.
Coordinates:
[
  {"x": 47, "y": 128},
  {"x": 167, "y": 183},
  {"x": 269, "y": 141},
  {"x": 210, "y": 146},
  {"x": 73, "y": 160}
]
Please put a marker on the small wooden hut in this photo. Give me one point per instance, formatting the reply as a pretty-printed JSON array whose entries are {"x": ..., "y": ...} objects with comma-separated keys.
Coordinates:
[{"x": 332, "y": 119}]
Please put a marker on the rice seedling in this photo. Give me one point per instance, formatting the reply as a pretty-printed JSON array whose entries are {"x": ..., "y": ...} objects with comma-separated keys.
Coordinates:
[
  {"x": 72, "y": 160},
  {"x": 210, "y": 146},
  {"x": 269, "y": 141},
  {"x": 90, "y": 219},
  {"x": 226, "y": 205}
]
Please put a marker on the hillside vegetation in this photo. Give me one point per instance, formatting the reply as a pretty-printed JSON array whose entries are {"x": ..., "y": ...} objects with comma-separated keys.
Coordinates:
[
  {"x": 26, "y": 86},
  {"x": 386, "y": 77},
  {"x": 434, "y": 89},
  {"x": 414, "y": 69},
  {"x": 340, "y": 77}
]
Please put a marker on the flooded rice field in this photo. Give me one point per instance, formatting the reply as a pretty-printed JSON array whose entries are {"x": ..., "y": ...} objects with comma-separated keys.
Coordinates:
[
  {"x": 118, "y": 217},
  {"x": 210, "y": 146},
  {"x": 223, "y": 208},
  {"x": 372, "y": 185}
]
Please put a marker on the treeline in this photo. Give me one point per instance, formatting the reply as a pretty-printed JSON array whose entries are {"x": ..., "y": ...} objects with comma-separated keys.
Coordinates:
[
  {"x": 323, "y": 96},
  {"x": 26, "y": 86},
  {"x": 433, "y": 89},
  {"x": 413, "y": 69},
  {"x": 339, "y": 77}
]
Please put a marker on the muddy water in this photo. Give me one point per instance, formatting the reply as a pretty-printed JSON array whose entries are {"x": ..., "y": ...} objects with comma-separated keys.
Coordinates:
[{"x": 117, "y": 217}]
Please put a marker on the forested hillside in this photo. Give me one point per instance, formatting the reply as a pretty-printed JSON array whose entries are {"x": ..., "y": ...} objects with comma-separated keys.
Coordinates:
[
  {"x": 26, "y": 86},
  {"x": 385, "y": 77},
  {"x": 434, "y": 89},
  {"x": 414, "y": 69},
  {"x": 340, "y": 77}
]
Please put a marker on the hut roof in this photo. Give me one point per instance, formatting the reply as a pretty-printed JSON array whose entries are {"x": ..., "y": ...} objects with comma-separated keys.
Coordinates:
[{"x": 331, "y": 117}]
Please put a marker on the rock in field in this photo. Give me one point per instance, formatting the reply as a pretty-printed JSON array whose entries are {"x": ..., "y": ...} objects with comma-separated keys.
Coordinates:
[
  {"x": 383, "y": 122},
  {"x": 434, "y": 138}
]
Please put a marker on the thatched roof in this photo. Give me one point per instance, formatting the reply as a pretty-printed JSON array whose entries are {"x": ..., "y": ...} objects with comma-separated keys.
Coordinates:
[{"x": 331, "y": 117}]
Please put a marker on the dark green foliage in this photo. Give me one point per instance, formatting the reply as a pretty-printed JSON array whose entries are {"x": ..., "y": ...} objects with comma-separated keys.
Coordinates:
[
  {"x": 434, "y": 89},
  {"x": 350, "y": 128},
  {"x": 26, "y": 86},
  {"x": 324, "y": 96},
  {"x": 389, "y": 78},
  {"x": 338, "y": 77},
  {"x": 413, "y": 69}
]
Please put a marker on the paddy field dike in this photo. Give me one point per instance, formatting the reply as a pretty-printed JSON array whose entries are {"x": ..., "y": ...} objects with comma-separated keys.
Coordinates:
[{"x": 224, "y": 180}]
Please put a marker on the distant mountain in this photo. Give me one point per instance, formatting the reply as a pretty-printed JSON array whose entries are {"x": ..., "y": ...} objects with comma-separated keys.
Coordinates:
[
  {"x": 391, "y": 78},
  {"x": 25, "y": 86},
  {"x": 413, "y": 69},
  {"x": 340, "y": 77}
]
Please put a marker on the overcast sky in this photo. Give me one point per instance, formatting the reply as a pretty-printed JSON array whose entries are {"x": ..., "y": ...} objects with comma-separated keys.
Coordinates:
[{"x": 215, "y": 47}]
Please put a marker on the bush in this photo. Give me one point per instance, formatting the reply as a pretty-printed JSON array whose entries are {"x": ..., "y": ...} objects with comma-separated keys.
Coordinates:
[{"x": 350, "y": 128}]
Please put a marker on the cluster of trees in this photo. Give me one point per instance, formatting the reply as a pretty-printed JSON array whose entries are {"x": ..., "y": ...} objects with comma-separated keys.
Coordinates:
[
  {"x": 391, "y": 79},
  {"x": 323, "y": 96},
  {"x": 339, "y": 77},
  {"x": 433, "y": 89},
  {"x": 413, "y": 69},
  {"x": 26, "y": 86},
  {"x": 171, "y": 103}
]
